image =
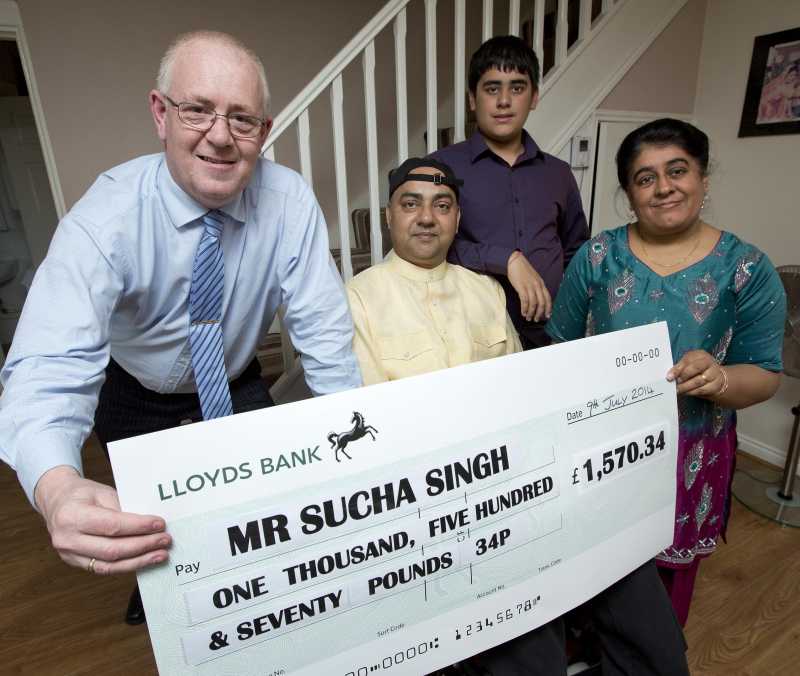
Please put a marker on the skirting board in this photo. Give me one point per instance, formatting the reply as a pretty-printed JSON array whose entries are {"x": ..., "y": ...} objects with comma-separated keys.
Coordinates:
[{"x": 769, "y": 454}]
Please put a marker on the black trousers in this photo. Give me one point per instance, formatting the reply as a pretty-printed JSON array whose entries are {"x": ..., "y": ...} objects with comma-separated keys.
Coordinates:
[
  {"x": 635, "y": 623},
  {"x": 534, "y": 337},
  {"x": 126, "y": 408}
]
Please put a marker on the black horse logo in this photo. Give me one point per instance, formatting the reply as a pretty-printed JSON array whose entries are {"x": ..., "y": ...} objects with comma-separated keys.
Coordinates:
[{"x": 339, "y": 440}]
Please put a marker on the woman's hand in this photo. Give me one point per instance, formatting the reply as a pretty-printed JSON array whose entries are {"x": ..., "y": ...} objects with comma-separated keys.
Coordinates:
[{"x": 699, "y": 375}]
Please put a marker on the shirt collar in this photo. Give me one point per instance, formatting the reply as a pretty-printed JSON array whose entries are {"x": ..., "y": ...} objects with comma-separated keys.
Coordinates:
[
  {"x": 183, "y": 209},
  {"x": 478, "y": 147},
  {"x": 414, "y": 272}
]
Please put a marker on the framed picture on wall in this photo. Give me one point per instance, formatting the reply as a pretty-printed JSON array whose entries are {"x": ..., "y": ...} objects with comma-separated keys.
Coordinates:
[{"x": 772, "y": 100}]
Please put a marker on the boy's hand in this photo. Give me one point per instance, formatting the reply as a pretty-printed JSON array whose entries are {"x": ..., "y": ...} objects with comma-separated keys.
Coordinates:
[{"x": 534, "y": 298}]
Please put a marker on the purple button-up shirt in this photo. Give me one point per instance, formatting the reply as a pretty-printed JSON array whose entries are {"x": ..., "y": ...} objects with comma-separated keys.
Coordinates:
[{"x": 533, "y": 206}]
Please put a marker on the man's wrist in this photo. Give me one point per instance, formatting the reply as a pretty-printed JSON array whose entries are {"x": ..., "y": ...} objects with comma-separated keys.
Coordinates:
[{"x": 49, "y": 483}]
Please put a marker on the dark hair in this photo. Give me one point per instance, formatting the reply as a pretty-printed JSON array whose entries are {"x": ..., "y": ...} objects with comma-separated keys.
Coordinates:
[
  {"x": 664, "y": 132},
  {"x": 504, "y": 52}
]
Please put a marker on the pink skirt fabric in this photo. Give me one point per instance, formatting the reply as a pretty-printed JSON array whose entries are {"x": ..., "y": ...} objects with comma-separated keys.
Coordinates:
[{"x": 679, "y": 583}]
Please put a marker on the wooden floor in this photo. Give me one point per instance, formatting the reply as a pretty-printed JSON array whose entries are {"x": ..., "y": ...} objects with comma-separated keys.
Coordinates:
[
  {"x": 61, "y": 621},
  {"x": 745, "y": 617}
]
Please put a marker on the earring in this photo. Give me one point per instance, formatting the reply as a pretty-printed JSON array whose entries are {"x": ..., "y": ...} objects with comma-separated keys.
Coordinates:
[{"x": 703, "y": 203}]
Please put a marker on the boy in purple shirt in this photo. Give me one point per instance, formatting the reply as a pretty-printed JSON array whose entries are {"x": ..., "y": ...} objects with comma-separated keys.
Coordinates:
[{"x": 521, "y": 214}]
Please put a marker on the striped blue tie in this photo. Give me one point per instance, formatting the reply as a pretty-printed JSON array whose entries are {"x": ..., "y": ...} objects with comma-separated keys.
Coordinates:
[{"x": 205, "y": 314}]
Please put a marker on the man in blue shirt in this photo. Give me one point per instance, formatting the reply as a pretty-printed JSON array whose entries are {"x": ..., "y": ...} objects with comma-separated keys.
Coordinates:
[
  {"x": 521, "y": 213},
  {"x": 114, "y": 291}
]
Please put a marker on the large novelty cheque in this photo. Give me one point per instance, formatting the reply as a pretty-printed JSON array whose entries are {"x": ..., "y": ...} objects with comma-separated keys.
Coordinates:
[{"x": 401, "y": 527}]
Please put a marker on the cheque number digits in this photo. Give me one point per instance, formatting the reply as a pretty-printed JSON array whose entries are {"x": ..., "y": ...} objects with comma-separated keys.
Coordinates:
[
  {"x": 506, "y": 615},
  {"x": 637, "y": 357},
  {"x": 606, "y": 462}
]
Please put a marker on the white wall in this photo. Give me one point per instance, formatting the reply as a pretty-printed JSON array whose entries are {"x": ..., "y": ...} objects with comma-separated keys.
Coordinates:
[
  {"x": 662, "y": 81},
  {"x": 755, "y": 184},
  {"x": 96, "y": 60},
  {"x": 665, "y": 78}
]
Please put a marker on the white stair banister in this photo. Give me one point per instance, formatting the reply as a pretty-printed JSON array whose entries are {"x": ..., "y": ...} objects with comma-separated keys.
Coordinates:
[
  {"x": 513, "y": 17},
  {"x": 375, "y": 237},
  {"x": 562, "y": 28},
  {"x": 538, "y": 30},
  {"x": 304, "y": 143},
  {"x": 459, "y": 99},
  {"x": 586, "y": 19},
  {"x": 322, "y": 81},
  {"x": 340, "y": 171},
  {"x": 488, "y": 15},
  {"x": 401, "y": 91},
  {"x": 558, "y": 116},
  {"x": 431, "y": 100}
]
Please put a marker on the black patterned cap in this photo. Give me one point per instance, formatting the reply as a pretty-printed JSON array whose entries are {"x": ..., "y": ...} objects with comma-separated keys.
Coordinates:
[{"x": 405, "y": 172}]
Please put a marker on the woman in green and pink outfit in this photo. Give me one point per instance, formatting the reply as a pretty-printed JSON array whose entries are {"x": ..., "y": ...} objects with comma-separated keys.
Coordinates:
[{"x": 725, "y": 308}]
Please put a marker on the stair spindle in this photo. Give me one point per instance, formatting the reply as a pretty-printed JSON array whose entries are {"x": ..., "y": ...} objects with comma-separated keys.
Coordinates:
[
  {"x": 376, "y": 243},
  {"x": 513, "y": 17},
  {"x": 401, "y": 92},
  {"x": 459, "y": 98},
  {"x": 431, "y": 102},
  {"x": 488, "y": 15},
  {"x": 304, "y": 144},
  {"x": 340, "y": 171}
]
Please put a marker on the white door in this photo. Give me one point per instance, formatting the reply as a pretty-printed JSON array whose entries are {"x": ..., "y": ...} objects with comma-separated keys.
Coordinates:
[
  {"x": 28, "y": 174},
  {"x": 27, "y": 212}
]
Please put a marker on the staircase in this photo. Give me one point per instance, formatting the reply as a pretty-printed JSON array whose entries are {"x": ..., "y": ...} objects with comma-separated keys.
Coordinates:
[{"x": 382, "y": 115}]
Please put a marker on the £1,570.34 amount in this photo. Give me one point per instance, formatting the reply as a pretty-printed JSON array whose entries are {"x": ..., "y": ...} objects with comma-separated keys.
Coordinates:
[{"x": 604, "y": 462}]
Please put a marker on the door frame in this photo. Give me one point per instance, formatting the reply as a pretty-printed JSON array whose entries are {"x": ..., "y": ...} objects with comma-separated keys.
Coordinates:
[{"x": 11, "y": 29}]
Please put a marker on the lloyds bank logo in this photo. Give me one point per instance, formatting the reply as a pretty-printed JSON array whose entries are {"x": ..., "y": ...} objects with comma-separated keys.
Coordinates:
[{"x": 339, "y": 440}]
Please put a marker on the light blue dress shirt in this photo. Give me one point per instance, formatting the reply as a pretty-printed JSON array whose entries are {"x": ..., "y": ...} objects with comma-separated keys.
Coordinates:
[{"x": 116, "y": 282}]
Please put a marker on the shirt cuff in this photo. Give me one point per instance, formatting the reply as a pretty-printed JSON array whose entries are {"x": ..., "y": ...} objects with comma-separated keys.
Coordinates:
[
  {"x": 497, "y": 259},
  {"x": 50, "y": 448},
  {"x": 345, "y": 376}
]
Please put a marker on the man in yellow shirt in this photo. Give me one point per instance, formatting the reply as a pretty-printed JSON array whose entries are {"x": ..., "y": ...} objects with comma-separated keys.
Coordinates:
[{"x": 415, "y": 312}]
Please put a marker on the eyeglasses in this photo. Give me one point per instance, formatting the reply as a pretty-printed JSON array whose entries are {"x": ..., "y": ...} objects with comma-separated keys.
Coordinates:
[{"x": 200, "y": 117}]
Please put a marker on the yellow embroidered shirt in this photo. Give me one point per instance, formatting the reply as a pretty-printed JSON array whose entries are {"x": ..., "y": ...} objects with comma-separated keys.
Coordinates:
[{"x": 411, "y": 320}]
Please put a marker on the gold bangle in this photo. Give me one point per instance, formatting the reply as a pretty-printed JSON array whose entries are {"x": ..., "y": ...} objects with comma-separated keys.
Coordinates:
[{"x": 725, "y": 382}]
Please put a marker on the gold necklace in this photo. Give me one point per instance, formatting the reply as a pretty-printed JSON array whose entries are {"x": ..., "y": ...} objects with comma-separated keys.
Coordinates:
[{"x": 667, "y": 265}]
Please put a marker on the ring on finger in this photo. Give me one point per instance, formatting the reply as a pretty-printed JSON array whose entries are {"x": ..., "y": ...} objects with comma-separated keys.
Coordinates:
[
  {"x": 90, "y": 567},
  {"x": 704, "y": 377}
]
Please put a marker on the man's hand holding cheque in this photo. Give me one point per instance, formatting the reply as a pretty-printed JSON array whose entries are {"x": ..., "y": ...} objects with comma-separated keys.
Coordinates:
[{"x": 88, "y": 529}]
